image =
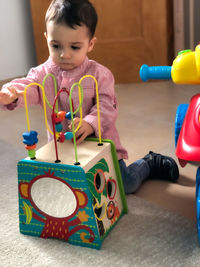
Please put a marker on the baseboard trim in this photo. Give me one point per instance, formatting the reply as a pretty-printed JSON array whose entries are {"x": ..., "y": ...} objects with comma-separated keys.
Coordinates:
[{"x": 2, "y": 82}]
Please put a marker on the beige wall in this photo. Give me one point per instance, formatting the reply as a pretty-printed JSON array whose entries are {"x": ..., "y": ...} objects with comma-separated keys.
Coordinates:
[{"x": 17, "y": 53}]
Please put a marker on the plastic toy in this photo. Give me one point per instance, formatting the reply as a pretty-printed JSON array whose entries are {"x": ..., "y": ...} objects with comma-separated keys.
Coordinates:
[
  {"x": 78, "y": 197},
  {"x": 184, "y": 70}
]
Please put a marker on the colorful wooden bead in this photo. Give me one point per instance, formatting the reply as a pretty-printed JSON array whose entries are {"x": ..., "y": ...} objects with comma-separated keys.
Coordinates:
[
  {"x": 61, "y": 137},
  {"x": 58, "y": 127},
  {"x": 68, "y": 115},
  {"x": 68, "y": 135},
  {"x": 31, "y": 153},
  {"x": 56, "y": 119},
  {"x": 61, "y": 115},
  {"x": 30, "y": 147},
  {"x": 30, "y": 138}
]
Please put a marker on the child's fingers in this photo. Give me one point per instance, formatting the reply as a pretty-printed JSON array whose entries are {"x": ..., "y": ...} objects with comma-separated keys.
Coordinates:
[
  {"x": 12, "y": 89},
  {"x": 2, "y": 95},
  {"x": 76, "y": 122},
  {"x": 81, "y": 139},
  {"x": 9, "y": 94},
  {"x": 81, "y": 134},
  {"x": 15, "y": 92},
  {"x": 5, "y": 98}
]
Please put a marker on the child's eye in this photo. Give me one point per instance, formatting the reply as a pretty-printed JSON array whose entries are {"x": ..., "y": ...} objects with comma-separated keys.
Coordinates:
[
  {"x": 75, "y": 47},
  {"x": 55, "y": 46}
]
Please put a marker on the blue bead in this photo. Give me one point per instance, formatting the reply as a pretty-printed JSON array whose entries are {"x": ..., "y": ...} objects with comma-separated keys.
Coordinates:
[
  {"x": 58, "y": 127},
  {"x": 68, "y": 135},
  {"x": 68, "y": 115},
  {"x": 30, "y": 138}
]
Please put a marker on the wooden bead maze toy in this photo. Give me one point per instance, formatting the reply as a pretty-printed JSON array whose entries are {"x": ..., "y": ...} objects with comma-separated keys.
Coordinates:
[{"x": 78, "y": 199}]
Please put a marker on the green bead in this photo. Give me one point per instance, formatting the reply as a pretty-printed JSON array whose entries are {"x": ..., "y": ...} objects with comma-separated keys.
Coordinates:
[{"x": 31, "y": 153}]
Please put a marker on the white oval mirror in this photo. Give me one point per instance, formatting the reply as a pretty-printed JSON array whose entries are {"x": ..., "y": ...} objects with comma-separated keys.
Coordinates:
[{"x": 53, "y": 197}]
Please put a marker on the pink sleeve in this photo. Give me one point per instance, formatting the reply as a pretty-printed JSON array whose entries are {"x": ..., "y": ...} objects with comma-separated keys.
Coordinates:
[
  {"x": 20, "y": 84},
  {"x": 107, "y": 103}
]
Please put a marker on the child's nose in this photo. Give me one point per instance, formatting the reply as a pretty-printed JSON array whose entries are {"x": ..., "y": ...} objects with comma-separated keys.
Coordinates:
[{"x": 65, "y": 54}]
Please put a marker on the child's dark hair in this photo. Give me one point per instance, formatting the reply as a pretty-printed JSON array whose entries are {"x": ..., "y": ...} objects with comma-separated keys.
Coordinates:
[{"x": 73, "y": 13}]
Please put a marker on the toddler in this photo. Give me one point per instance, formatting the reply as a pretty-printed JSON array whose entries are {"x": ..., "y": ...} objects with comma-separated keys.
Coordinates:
[{"x": 70, "y": 29}]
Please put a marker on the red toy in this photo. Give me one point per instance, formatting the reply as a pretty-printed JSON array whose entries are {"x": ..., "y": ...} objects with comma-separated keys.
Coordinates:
[{"x": 188, "y": 145}]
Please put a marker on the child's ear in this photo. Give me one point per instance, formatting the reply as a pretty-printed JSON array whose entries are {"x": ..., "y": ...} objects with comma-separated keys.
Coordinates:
[
  {"x": 45, "y": 35},
  {"x": 92, "y": 43}
]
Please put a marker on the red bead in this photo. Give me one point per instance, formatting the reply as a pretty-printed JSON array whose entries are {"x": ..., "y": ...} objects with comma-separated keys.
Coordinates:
[
  {"x": 30, "y": 147},
  {"x": 61, "y": 137},
  {"x": 55, "y": 118}
]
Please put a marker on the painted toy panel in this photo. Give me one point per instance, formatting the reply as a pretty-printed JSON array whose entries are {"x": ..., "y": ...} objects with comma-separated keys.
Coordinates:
[
  {"x": 54, "y": 201},
  {"x": 106, "y": 199}
]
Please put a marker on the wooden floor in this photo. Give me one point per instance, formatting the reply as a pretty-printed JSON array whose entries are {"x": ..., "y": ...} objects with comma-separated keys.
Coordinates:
[{"x": 146, "y": 122}]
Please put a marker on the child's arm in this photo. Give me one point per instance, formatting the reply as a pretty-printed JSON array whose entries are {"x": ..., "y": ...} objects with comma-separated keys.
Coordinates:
[{"x": 11, "y": 94}]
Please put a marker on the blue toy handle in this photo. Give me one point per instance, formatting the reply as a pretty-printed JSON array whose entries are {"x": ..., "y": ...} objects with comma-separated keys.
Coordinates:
[{"x": 156, "y": 72}]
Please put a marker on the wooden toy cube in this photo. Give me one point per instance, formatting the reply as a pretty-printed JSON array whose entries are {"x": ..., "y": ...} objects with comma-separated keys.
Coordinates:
[{"x": 77, "y": 203}]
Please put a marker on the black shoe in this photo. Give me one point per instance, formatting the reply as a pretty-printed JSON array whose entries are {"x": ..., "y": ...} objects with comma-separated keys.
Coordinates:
[{"x": 162, "y": 167}]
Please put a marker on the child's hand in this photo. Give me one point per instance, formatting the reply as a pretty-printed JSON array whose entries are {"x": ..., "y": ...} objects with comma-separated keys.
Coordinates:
[
  {"x": 84, "y": 130},
  {"x": 9, "y": 95}
]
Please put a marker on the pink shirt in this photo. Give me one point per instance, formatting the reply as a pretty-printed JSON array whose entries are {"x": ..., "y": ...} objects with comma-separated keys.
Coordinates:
[{"x": 107, "y": 98}]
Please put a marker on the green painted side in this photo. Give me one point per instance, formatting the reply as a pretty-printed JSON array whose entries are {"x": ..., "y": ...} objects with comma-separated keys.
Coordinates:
[{"x": 117, "y": 169}]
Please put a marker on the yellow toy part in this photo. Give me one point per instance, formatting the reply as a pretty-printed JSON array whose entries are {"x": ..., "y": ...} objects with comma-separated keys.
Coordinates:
[
  {"x": 184, "y": 70},
  {"x": 186, "y": 67}
]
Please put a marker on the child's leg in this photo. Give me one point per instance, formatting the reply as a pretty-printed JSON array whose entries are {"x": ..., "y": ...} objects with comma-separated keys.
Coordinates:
[
  {"x": 152, "y": 166},
  {"x": 134, "y": 174}
]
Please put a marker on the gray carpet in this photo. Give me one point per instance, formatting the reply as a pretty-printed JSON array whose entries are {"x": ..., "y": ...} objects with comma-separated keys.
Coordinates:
[{"x": 147, "y": 236}]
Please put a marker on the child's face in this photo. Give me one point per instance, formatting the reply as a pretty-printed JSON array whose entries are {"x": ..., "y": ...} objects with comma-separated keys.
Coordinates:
[{"x": 68, "y": 47}]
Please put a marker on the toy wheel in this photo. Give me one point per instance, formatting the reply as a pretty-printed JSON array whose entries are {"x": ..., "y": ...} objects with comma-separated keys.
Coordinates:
[
  {"x": 180, "y": 116},
  {"x": 197, "y": 181},
  {"x": 198, "y": 201}
]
